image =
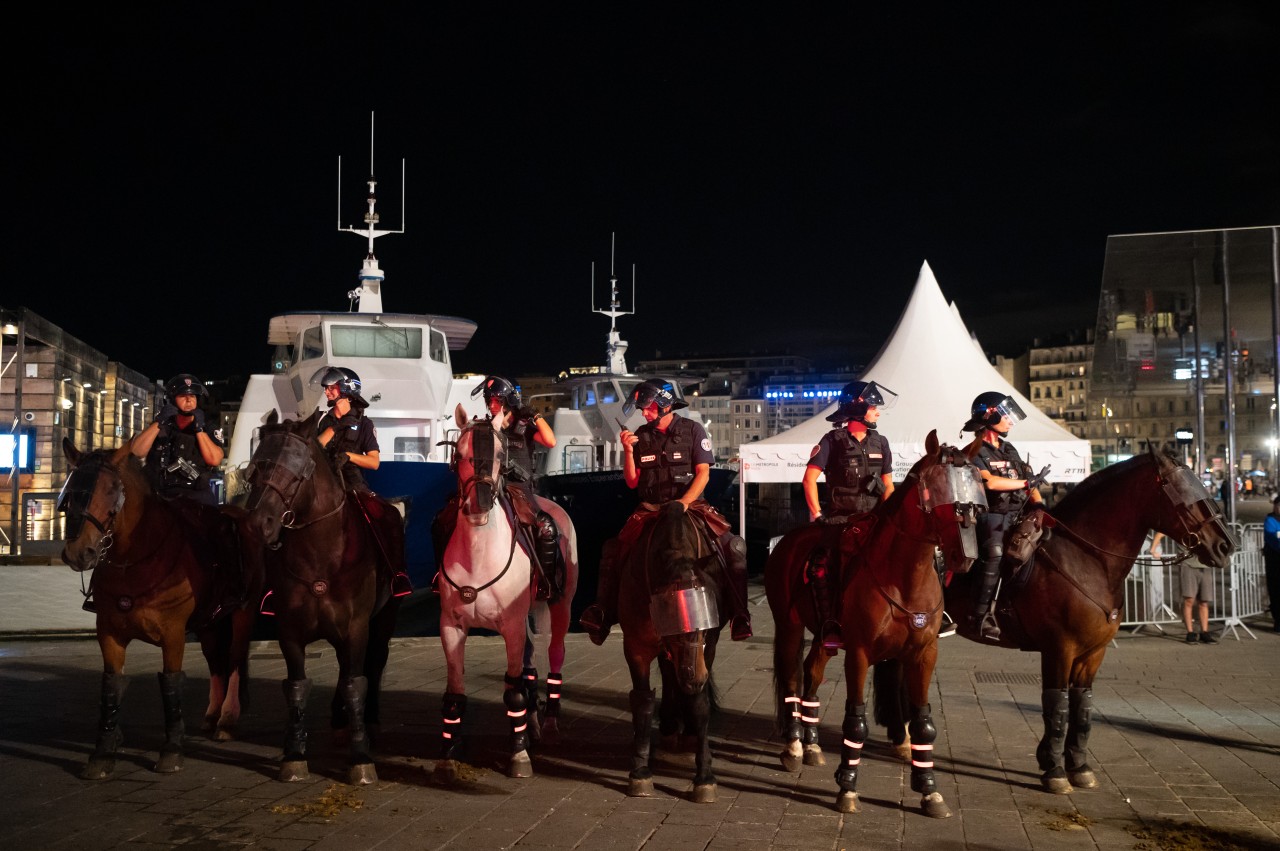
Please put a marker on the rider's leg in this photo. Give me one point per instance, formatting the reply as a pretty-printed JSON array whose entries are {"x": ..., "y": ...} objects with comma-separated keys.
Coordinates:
[
  {"x": 818, "y": 572},
  {"x": 441, "y": 531},
  {"x": 601, "y": 615},
  {"x": 735, "y": 559},
  {"x": 547, "y": 539},
  {"x": 992, "y": 551}
]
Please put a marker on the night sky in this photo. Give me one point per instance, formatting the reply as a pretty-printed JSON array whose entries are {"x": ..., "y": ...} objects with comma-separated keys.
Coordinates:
[{"x": 777, "y": 178}]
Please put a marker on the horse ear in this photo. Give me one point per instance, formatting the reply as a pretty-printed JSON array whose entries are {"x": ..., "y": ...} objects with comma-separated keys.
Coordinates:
[
  {"x": 931, "y": 443},
  {"x": 272, "y": 418},
  {"x": 308, "y": 426},
  {"x": 69, "y": 449},
  {"x": 460, "y": 416}
]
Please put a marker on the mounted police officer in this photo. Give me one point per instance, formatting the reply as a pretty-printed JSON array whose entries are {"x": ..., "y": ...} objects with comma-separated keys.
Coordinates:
[
  {"x": 859, "y": 468},
  {"x": 181, "y": 449},
  {"x": 668, "y": 459},
  {"x": 1009, "y": 485},
  {"x": 352, "y": 441},
  {"x": 523, "y": 427}
]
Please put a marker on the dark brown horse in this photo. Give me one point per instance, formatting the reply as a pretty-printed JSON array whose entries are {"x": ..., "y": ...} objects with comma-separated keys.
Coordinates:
[
  {"x": 891, "y": 608},
  {"x": 672, "y": 603},
  {"x": 1069, "y": 609},
  {"x": 160, "y": 568},
  {"x": 325, "y": 585}
]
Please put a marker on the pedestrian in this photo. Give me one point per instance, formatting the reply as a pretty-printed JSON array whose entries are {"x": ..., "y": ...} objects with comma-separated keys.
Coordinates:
[{"x": 1271, "y": 560}]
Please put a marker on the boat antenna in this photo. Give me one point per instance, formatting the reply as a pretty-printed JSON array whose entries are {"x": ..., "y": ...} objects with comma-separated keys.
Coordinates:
[
  {"x": 615, "y": 347},
  {"x": 369, "y": 293}
]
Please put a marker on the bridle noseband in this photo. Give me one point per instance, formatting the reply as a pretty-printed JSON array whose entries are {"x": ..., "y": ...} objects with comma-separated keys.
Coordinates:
[
  {"x": 283, "y": 470},
  {"x": 94, "y": 467}
]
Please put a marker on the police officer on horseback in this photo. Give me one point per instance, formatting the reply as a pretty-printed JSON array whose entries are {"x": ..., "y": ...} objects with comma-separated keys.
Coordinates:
[
  {"x": 181, "y": 449},
  {"x": 352, "y": 441},
  {"x": 1009, "y": 485},
  {"x": 523, "y": 427},
  {"x": 668, "y": 459},
  {"x": 859, "y": 468}
]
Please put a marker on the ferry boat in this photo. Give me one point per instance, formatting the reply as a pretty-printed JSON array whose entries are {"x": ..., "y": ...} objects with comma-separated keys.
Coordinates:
[{"x": 406, "y": 373}]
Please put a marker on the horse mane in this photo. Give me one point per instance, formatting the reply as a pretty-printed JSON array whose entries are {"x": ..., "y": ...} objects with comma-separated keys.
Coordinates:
[{"x": 1088, "y": 490}]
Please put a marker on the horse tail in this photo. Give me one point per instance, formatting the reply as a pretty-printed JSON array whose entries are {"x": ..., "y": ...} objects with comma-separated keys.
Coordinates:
[{"x": 889, "y": 694}]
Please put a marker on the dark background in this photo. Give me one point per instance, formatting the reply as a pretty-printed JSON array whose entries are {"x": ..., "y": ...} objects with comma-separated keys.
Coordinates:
[{"x": 777, "y": 178}]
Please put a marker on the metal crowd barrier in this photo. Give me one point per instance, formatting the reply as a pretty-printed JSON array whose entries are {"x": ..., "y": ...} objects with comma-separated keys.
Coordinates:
[{"x": 1153, "y": 589}]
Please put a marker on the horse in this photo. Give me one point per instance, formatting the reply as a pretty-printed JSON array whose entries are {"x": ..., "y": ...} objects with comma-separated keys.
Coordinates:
[
  {"x": 1068, "y": 610},
  {"x": 891, "y": 609},
  {"x": 673, "y": 601},
  {"x": 486, "y": 580},
  {"x": 160, "y": 568},
  {"x": 324, "y": 582}
]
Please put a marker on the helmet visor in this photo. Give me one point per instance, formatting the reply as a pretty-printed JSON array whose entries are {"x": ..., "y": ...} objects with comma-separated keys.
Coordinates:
[
  {"x": 1009, "y": 408},
  {"x": 325, "y": 376},
  {"x": 878, "y": 396}
]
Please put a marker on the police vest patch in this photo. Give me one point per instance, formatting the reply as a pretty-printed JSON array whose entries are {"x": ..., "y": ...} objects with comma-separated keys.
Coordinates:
[
  {"x": 646, "y": 458},
  {"x": 706, "y": 444},
  {"x": 677, "y": 455}
]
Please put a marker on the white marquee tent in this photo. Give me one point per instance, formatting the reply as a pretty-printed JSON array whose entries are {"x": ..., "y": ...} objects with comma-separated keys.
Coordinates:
[{"x": 936, "y": 369}]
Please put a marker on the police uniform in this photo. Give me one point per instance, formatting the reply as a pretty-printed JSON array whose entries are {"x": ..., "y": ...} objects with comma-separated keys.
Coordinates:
[
  {"x": 519, "y": 438},
  {"x": 667, "y": 461},
  {"x": 174, "y": 445},
  {"x": 1001, "y": 460},
  {"x": 518, "y": 435},
  {"x": 362, "y": 438},
  {"x": 854, "y": 469},
  {"x": 1005, "y": 462}
]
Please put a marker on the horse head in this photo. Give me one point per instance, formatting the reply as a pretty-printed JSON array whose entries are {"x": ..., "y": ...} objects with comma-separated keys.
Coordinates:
[
  {"x": 477, "y": 461},
  {"x": 290, "y": 482},
  {"x": 1188, "y": 514},
  {"x": 95, "y": 492},
  {"x": 684, "y": 598},
  {"x": 947, "y": 499}
]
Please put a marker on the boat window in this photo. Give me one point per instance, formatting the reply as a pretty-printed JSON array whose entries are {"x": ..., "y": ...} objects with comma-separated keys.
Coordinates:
[
  {"x": 439, "y": 348},
  {"x": 588, "y": 396},
  {"x": 372, "y": 341},
  {"x": 312, "y": 344},
  {"x": 412, "y": 448},
  {"x": 607, "y": 392}
]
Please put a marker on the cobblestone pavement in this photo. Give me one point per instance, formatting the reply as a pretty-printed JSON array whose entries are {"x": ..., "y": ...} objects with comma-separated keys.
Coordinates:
[{"x": 1185, "y": 737}]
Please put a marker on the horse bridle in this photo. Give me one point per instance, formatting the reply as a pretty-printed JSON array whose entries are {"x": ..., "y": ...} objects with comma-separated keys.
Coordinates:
[
  {"x": 286, "y": 469},
  {"x": 485, "y": 440},
  {"x": 95, "y": 465}
]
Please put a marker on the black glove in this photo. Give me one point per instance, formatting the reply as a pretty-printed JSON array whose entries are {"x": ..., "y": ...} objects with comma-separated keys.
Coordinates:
[
  {"x": 1038, "y": 479},
  {"x": 198, "y": 416},
  {"x": 346, "y": 421},
  {"x": 167, "y": 413},
  {"x": 526, "y": 413}
]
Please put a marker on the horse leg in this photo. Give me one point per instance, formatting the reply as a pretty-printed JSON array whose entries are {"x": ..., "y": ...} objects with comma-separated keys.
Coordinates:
[
  {"x": 892, "y": 705},
  {"x": 787, "y": 640},
  {"x": 815, "y": 667},
  {"x": 171, "y": 757},
  {"x": 213, "y": 640},
  {"x": 453, "y": 638},
  {"x": 516, "y": 698},
  {"x": 704, "y": 781},
  {"x": 297, "y": 688},
  {"x": 1055, "y": 703},
  {"x": 381, "y": 628},
  {"x": 641, "y": 776},
  {"x": 560, "y": 615},
  {"x": 362, "y": 771},
  {"x": 1080, "y": 706},
  {"x": 923, "y": 734},
  {"x": 854, "y": 729},
  {"x": 103, "y": 759},
  {"x": 529, "y": 681}
]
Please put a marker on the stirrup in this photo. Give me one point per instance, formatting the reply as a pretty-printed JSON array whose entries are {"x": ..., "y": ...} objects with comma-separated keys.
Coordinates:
[
  {"x": 400, "y": 585},
  {"x": 988, "y": 628},
  {"x": 89, "y": 605},
  {"x": 592, "y": 622},
  {"x": 435, "y": 584},
  {"x": 832, "y": 637},
  {"x": 740, "y": 628},
  {"x": 948, "y": 627}
]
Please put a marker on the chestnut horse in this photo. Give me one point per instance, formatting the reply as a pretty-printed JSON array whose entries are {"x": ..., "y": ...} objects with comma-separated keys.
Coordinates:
[
  {"x": 486, "y": 580},
  {"x": 160, "y": 568},
  {"x": 891, "y": 608},
  {"x": 325, "y": 584},
  {"x": 1069, "y": 608}
]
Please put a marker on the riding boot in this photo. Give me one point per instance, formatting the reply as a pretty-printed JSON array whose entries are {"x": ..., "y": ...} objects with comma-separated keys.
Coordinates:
[
  {"x": 598, "y": 618},
  {"x": 735, "y": 556},
  {"x": 548, "y": 546},
  {"x": 828, "y": 628},
  {"x": 174, "y": 729},
  {"x": 983, "y": 612}
]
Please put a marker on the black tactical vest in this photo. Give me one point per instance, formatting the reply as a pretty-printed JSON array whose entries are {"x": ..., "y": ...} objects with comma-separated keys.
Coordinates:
[
  {"x": 519, "y": 437},
  {"x": 853, "y": 476},
  {"x": 165, "y": 453},
  {"x": 1006, "y": 463},
  {"x": 664, "y": 460}
]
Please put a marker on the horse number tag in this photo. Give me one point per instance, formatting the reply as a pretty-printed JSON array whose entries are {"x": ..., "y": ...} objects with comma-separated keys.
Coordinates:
[
  {"x": 319, "y": 587},
  {"x": 467, "y": 593},
  {"x": 919, "y": 619}
]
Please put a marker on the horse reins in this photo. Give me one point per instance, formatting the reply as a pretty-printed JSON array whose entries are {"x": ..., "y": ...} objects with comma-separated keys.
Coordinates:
[{"x": 289, "y": 491}]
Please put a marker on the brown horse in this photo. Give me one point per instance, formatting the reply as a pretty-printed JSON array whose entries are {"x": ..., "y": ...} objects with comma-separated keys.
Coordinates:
[
  {"x": 1069, "y": 608},
  {"x": 672, "y": 594},
  {"x": 160, "y": 568},
  {"x": 325, "y": 584},
  {"x": 891, "y": 606}
]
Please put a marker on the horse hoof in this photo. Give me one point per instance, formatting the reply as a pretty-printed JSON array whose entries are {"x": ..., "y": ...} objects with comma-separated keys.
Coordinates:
[
  {"x": 362, "y": 774},
  {"x": 293, "y": 770},
  {"x": 446, "y": 771},
  {"x": 1083, "y": 778},
  {"x": 1056, "y": 784},
  {"x": 521, "y": 765},
  {"x": 704, "y": 793},
  {"x": 792, "y": 761},
  {"x": 640, "y": 788},
  {"x": 170, "y": 762},
  {"x": 934, "y": 807},
  {"x": 847, "y": 802},
  {"x": 813, "y": 755},
  {"x": 98, "y": 769},
  {"x": 903, "y": 751}
]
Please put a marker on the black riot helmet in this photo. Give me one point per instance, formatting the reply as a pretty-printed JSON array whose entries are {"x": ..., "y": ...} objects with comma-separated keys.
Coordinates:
[
  {"x": 648, "y": 392},
  {"x": 184, "y": 384},
  {"x": 857, "y": 397},
  {"x": 346, "y": 380},
  {"x": 495, "y": 386},
  {"x": 989, "y": 408}
]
